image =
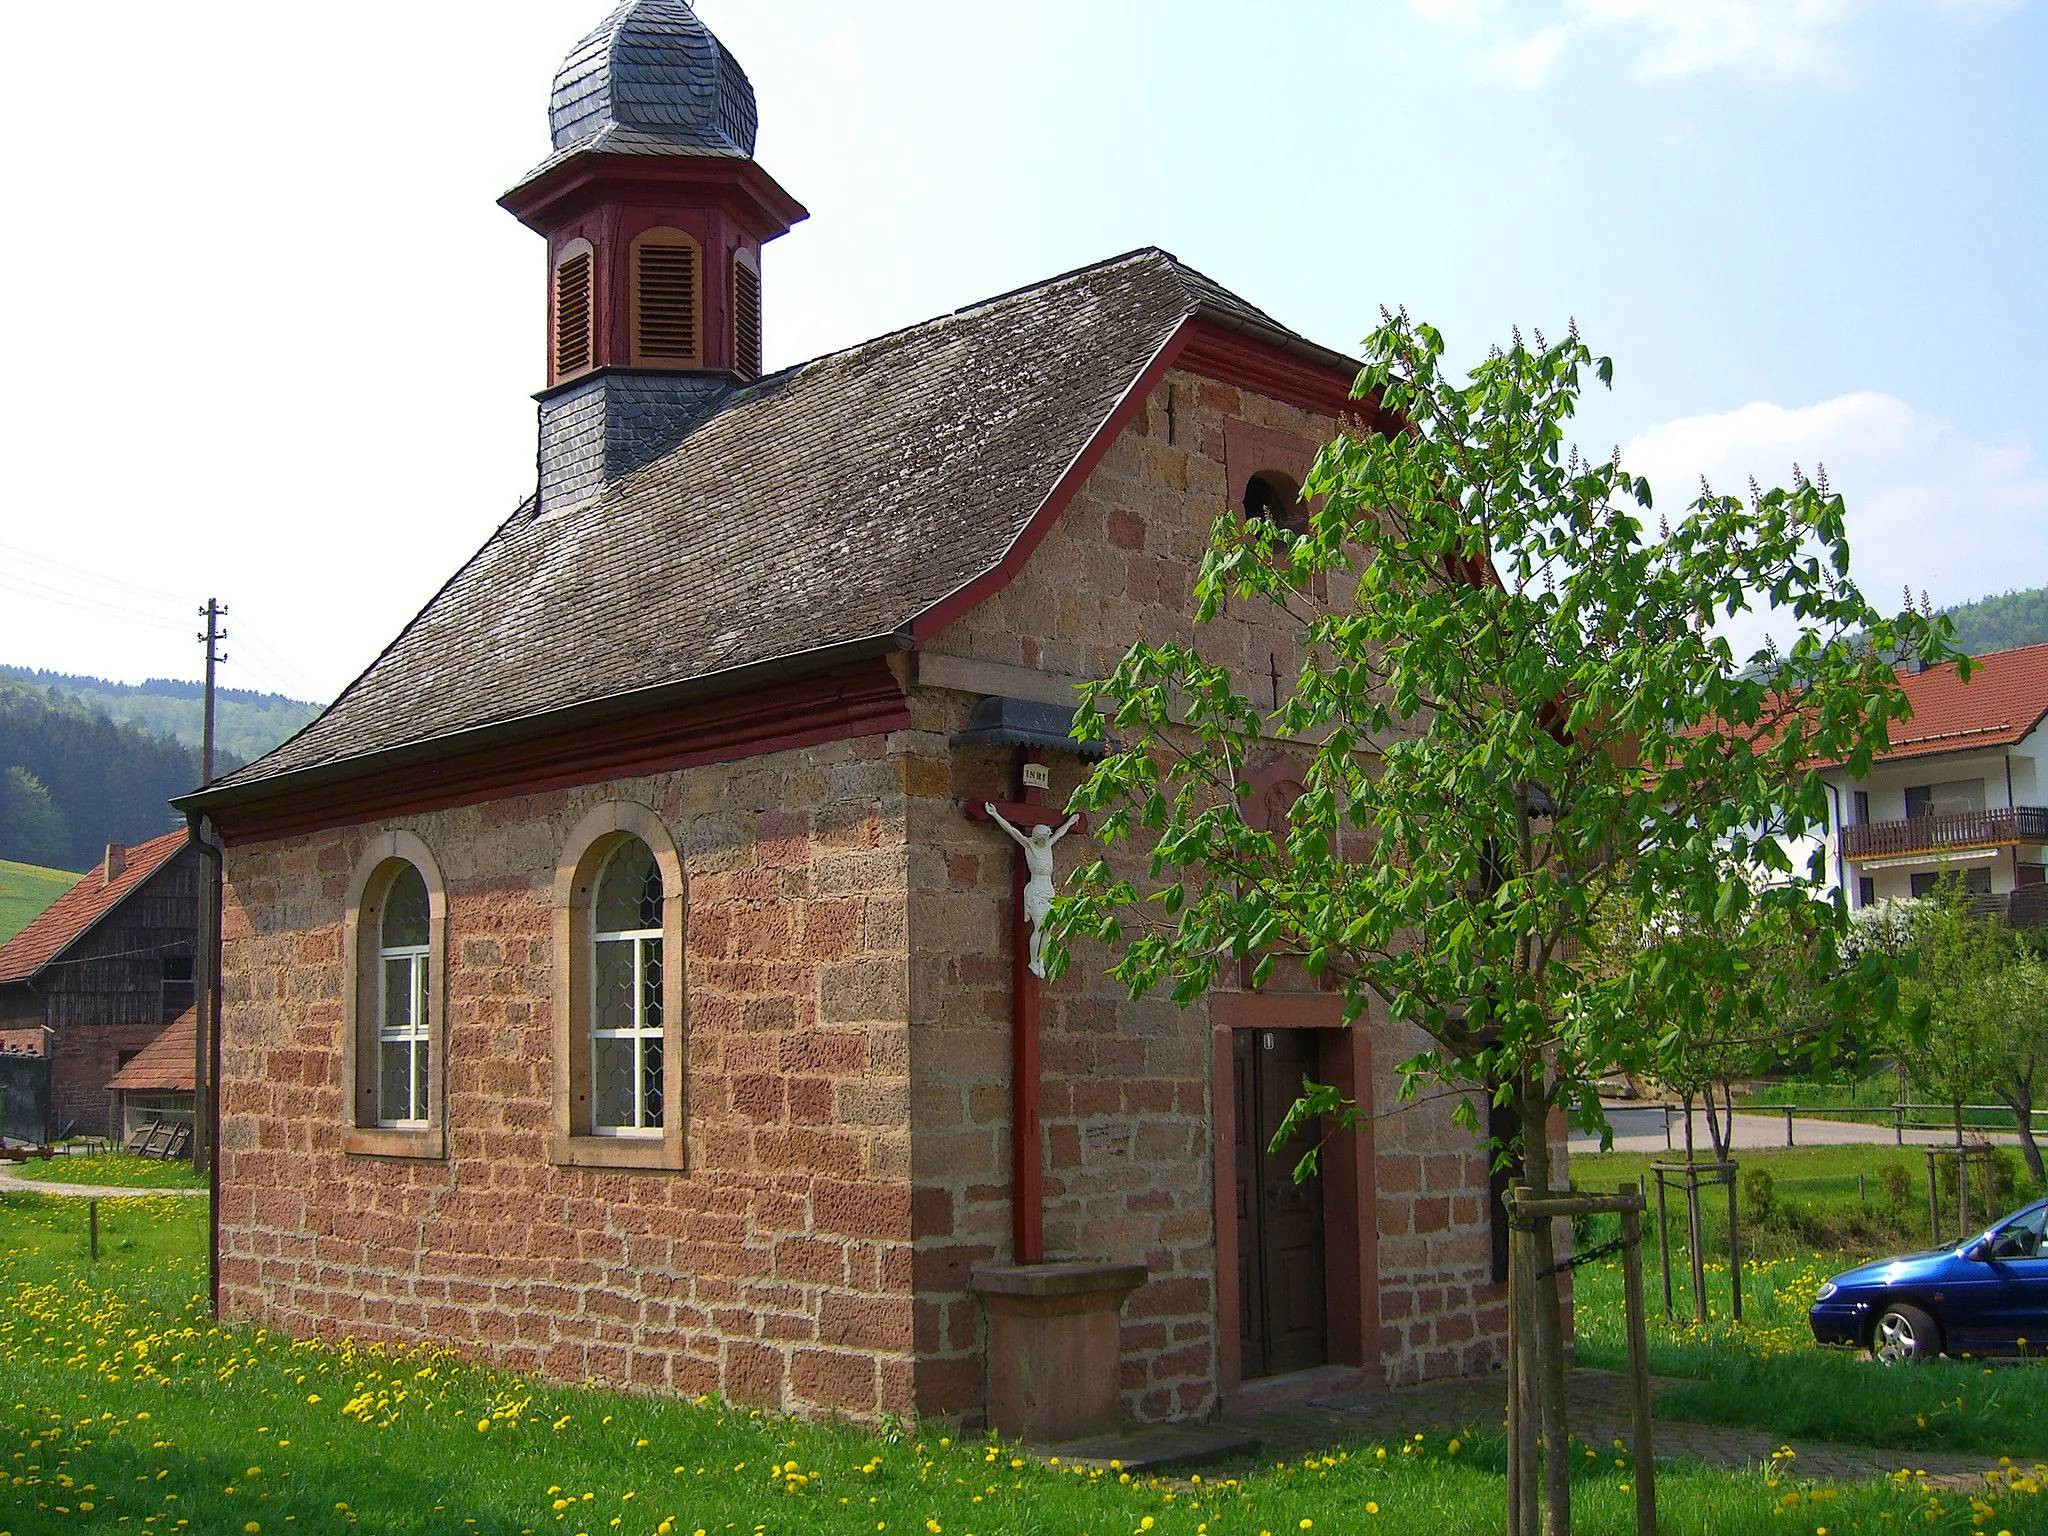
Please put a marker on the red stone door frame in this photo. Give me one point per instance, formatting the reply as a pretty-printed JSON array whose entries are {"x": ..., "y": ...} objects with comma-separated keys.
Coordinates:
[{"x": 1350, "y": 1236}]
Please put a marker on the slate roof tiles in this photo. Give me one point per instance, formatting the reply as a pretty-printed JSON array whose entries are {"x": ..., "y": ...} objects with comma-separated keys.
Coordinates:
[{"x": 822, "y": 506}]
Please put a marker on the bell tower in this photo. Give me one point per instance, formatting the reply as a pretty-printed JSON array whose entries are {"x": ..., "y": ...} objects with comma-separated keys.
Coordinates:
[{"x": 654, "y": 212}]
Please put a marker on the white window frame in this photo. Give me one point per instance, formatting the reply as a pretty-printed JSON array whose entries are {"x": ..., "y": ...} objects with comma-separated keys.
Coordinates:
[
  {"x": 415, "y": 1034},
  {"x": 645, "y": 942}
]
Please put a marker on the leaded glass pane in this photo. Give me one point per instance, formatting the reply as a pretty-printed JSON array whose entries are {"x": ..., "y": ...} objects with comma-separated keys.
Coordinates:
[
  {"x": 650, "y": 983},
  {"x": 398, "y": 995},
  {"x": 405, "y": 910},
  {"x": 393, "y": 1094},
  {"x": 419, "y": 1080},
  {"x": 629, "y": 890},
  {"x": 611, "y": 1085},
  {"x": 614, "y": 1000},
  {"x": 650, "y": 1080}
]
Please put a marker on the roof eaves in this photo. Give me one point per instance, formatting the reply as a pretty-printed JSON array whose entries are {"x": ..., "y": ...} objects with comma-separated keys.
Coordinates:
[{"x": 229, "y": 793}]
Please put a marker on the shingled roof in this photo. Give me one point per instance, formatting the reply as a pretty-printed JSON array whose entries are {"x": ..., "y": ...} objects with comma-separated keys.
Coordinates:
[
  {"x": 66, "y": 920},
  {"x": 2005, "y": 698},
  {"x": 166, "y": 1064},
  {"x": 819, "y": 508}
]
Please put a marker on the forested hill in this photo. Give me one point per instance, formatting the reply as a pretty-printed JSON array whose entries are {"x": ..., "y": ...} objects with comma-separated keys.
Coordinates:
[
  {"x": 246, "y": 724},
  {"x": 2002, "y": 622},
  {"x": 72, "y": 781}
]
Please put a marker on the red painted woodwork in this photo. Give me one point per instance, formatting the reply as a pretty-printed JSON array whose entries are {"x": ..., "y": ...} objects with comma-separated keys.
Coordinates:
[
  {"x": 1199, "y": 346},
  {"x": 728, "y": 204},
  {"x": 859, "y": 698},
  {"x": 1350, "y": 1233},
  {"x": 1027, "y": 1140}
]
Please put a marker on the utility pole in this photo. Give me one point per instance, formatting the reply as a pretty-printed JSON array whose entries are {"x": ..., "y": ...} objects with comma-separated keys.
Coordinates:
[
  {"x": 213, "y": 613},
  {"x": 207, "y": 968}
]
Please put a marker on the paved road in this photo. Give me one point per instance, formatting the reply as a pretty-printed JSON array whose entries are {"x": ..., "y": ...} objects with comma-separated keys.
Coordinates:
[{"x": 1640, "y": 1128}]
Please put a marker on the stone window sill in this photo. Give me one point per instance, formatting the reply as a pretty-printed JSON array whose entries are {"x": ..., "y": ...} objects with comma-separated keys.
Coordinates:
[
  {"x": 653, "y": 1152},
  {"x": 385, "y": 1141}
]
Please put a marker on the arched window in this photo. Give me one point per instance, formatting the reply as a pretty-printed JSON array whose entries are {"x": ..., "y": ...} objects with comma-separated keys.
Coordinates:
[
  {"x": 746, "y": 315},
  {"x": 626, "y": 1040},
  {"x": 575, "y": 328},
  {"x": 394, "y": 996},
  {"x": 668, "y": 308},
  {"x": 618, "y": 1040},
  {"x": 404, "y": 1006},
  {"x": 1272, "y": 497}
]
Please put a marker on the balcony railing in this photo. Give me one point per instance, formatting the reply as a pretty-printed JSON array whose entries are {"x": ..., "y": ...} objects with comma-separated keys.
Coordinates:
[{"x": 1957, "y": 829}]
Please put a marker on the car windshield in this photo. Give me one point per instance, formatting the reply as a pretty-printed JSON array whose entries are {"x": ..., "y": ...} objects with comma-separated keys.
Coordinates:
[{"x": 2019, "y": 1238}]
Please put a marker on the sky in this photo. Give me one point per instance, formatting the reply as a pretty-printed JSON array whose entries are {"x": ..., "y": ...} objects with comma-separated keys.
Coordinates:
[{"x": 273, "y": 342}]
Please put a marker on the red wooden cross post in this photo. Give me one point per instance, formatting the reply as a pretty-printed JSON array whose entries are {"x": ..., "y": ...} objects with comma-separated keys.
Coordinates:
[{"x": 1027, "y": 1166}]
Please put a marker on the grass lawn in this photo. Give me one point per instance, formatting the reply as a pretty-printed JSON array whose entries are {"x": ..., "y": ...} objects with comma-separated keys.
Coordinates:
[
  {"x": 25, "y": 889},
  {"x": 113, "y": 1168},
  {"x": 1766, "y": 1371},
  {"x": 123, "y": 1407}
]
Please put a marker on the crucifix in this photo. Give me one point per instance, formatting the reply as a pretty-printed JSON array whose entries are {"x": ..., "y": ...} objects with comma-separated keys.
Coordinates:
[{"x": 1028, "y": 822}]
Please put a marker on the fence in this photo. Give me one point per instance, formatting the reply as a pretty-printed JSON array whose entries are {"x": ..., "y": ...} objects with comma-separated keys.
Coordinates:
[{"x": 1901, "y": 1117}]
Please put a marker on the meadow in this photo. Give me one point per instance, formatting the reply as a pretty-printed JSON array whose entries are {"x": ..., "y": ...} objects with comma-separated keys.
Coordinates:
[
  {"x": 123, "y": 1407},
  {"x": 113, "y": 1170},
  {"x": 1765, "y": 1371},
  {"x": 25, "y": 889}
]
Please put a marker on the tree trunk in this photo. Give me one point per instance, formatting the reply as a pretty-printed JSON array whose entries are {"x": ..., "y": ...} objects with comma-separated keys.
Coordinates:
[
  {"x": 1714, "y": 1126},
  {"x": 1548, "y": 1334},
  {"x": 1728, "y": 1133},
  {"x": 2019, "y": 1097},
  {"x": 1688, "y": 1127}
]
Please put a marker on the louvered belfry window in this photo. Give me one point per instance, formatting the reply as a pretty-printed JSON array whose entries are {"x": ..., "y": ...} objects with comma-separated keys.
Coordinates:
[
  {"x": 746, "y": 320},
  {"x": 572, "y": 314},
  {"x": 665, "y": 303}
]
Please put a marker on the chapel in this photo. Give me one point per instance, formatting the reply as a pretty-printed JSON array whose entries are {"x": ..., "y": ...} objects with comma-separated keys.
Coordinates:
[{"x": 627, "y": 978}]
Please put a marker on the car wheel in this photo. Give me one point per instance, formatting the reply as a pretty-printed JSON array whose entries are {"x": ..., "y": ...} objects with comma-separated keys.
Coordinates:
[{"x": 1904, "y": 1336}]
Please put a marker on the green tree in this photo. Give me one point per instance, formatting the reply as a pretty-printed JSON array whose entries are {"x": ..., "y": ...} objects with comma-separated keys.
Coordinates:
[
  {"x": 1520, "y": 722},
  {"x": 32, "y": 829},
  {"x": 1986, "y": 998},
  {"x": 2017, "y": 1003}
]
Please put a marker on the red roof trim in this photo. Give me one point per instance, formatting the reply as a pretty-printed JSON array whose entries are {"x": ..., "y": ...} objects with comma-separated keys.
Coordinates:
[
  {"x": 856, "y": 699},
  {"x": 964, "y": 600},
  {"x": 1198, "y": 346},
  {"x": 72, "y": 915}
]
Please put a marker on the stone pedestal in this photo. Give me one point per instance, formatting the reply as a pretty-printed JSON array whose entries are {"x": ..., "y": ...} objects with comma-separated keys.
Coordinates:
[{"x": 1053, "y": 1347}]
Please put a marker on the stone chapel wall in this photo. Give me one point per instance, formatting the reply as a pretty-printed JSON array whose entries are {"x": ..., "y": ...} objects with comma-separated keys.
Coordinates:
[
  {"x": 775, "y": 1269},
  {"x": 1127, "y": 1109}
]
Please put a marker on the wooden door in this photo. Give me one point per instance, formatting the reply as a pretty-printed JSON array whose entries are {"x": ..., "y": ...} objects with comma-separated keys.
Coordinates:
[{"x": 1283, "y": 1321}]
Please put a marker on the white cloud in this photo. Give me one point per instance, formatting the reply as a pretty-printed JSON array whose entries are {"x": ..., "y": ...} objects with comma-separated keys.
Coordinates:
[
  {"x": 1686, "y": 37},
  {"x": 1930, "y": 507},
  {"x": 1780, "y": 39},
  {"x": 1523, "y": 61}
]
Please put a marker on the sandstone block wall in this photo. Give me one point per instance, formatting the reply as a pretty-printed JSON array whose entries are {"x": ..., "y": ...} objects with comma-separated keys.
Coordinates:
[
  {"x": 776, "y": 1268},
  {"x": 1127, "y": 1117}
]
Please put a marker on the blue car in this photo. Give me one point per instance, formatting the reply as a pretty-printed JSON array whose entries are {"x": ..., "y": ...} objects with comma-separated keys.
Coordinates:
[{"x": 1988, "y": 1296}]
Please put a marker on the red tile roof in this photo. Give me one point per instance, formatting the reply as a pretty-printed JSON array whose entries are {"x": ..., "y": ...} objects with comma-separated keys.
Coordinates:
[
  {"x": 67, "y": 918},
  {"x": 2005, "y": 698},
  {"x": 165, "y": 1064}
]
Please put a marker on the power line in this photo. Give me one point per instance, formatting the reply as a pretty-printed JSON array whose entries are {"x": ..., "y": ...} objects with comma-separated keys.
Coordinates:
[
  {"x": 22, "y": 586},
  {"x": 62, "y": 567},
  {"x": 289, "y": 678}
]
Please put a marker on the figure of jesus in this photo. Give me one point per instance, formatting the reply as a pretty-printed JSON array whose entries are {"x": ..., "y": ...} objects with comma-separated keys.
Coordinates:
[{"x": 1038, "y": 892}]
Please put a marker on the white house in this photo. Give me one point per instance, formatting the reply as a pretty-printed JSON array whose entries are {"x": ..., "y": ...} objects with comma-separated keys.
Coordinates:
[{"x": 1962, "y": 789}]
